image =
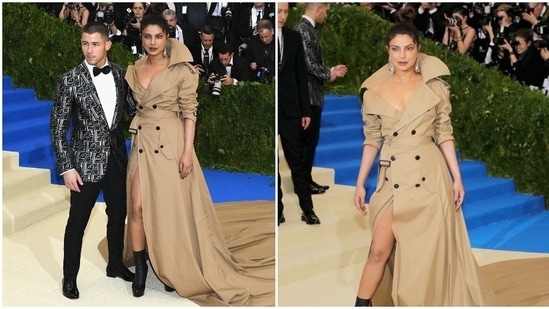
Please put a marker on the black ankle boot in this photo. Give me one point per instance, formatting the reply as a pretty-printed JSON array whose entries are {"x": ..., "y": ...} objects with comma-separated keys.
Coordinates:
[
  {"x": 363, "y": 302},
  {"x": 141, "y": 268}
]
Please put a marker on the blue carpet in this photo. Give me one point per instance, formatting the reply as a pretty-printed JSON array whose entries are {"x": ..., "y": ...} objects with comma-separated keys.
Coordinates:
[
  {"x": 26, "y": 131},
  {"x": 497, "y": 217}
]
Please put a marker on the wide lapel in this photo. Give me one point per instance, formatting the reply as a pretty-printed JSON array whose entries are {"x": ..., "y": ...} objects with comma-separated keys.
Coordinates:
[
  {"x": 120, "y": 95},
  {"x": 284, "y": 50},
  {"x": 89, "y": 94},
  {"x": 424, "y": 98}
]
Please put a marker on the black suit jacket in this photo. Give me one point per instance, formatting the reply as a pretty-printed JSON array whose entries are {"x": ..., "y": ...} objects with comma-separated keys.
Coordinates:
[
  {"x": 77, "y": 104},
  {"x": 242, "y": 28},
  {"x": 293, "y": 96},
  {"x": 422, "y": 20},
  {"x": 240, "y": 68},
  {"x": 195, "y": 16},
  {"x": 317, "y": 72},
  {"x": 190, "y": 36},
  {"x": 263, "y": 55}
]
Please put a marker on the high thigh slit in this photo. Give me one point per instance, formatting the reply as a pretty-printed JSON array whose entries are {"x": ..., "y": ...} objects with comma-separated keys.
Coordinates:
[
  {"x": 432, "y": 263},
  {"x": 213, "y": 255}
]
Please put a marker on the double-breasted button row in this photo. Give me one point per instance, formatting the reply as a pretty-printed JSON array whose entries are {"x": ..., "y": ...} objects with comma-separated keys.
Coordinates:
[
  {"x": 142, "y": 107},
  {"x": 419, "y": 185}
]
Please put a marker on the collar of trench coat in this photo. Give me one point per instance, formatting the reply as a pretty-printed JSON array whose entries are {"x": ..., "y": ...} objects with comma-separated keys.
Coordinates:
[
  {"x": 178, "y": 53},
  {"x": 431, "y": 67}
]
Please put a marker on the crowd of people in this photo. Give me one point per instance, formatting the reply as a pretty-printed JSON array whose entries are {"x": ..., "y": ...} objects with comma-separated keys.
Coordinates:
[
  {"x": 513, "y": 37},
  {"x": 241, "y": 35}
]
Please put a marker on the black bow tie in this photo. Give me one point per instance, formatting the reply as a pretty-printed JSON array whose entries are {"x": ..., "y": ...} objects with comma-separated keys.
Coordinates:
[
  {"x": 105, "y": 70},
  {"x": 229, "y": 65}
]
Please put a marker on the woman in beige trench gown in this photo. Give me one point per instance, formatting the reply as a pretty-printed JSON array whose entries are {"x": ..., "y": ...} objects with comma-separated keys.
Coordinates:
[
  {"x": 172, "y": 219},
  {"x": 420, "y": 253}
]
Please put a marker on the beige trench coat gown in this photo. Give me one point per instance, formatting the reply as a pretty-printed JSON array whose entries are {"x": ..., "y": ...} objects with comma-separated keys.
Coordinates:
[
  {"x": 188, "y": 248},
  {"x": 432, "y": 262}
]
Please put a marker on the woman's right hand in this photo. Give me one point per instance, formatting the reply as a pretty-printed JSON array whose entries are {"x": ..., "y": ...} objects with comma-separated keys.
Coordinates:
[{"x": 360, "y": 197}]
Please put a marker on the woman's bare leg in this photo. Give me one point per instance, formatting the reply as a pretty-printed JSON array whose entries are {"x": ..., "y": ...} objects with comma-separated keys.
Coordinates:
[
  {"x": 383, "y": 241},
  {"x": 136, "y": 220}
]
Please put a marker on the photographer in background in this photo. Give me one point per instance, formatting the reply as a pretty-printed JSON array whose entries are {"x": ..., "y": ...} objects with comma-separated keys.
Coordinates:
[
  {"x": 504, "y": 29},
  {"x": 532, "y": 14},
  {"x": 247, "y": 17},
  {"x": 203, "y": 53},
  {"x": 107, "y": 15},
  {"x": 183, "y": 34},
  {"x": 261, "y": 53},
  {"x": 429, "y": 20},
  {"x": 75, "y": 13},
  {"x": 526, "y": 63},
  {"x": 228, "y": 68},
  {"x": 221, "y": 17},
  {"x": 132, "y": 32},
  {"x": 459, "y": 34}
]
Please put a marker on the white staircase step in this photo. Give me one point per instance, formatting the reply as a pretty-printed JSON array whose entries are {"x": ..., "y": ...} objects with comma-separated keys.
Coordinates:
[
  {"x": 10, "y": 160},
  {"x": 35, "y": 205},
  {"x": 20, "y": 180},
  {"x": 27, "y": 195}
]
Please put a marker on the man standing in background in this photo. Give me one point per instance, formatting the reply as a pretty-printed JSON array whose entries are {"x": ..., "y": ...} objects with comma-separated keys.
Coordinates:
[
  {"x": 317, "y": 75},
  {"x": 293, "y": 115}
]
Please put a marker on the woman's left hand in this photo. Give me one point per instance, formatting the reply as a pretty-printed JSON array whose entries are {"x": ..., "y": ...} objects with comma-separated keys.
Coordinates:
[
  {"x": 185, "y": 165},
  {"x": 459, "y": 194}
]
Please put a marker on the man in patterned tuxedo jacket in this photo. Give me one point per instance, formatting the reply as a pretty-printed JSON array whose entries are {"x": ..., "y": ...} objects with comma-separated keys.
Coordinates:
[
  {"x": 91, "y": 98},
  {"x": 317, "y": 75}
]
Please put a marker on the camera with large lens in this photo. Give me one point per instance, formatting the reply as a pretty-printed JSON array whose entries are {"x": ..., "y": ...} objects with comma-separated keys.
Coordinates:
[
  {"x": 129, "y": 18},
  {"x": 106, "y": 16},
  {"x": 262, "y": 74},
  {"x": 228, "y": 14},
  {"x": 216, "y": 89},
  {"x": 73, "y": 6},
  {"x": 172, "y": 32},
  {"x": 452, "y": 21},
  {"x": 543, "y": 42},
  {"x": 504, "y": 35}
]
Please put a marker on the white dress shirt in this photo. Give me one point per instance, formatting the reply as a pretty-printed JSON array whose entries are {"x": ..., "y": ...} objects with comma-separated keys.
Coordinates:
[{"x": 106, "y": 91}]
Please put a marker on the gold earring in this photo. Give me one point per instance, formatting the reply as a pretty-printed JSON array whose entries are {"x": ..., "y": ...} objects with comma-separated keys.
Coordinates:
[
  {"x": 417, "y": 68},
  {"x": 391, "y": 67}
]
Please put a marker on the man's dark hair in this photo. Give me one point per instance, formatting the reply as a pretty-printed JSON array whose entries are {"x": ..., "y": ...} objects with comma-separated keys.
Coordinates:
[
  {"x": 157, "y": 20},
  {"x": 96, "y": 27},
  {"x": 207, "y": 29},
  {"x": 224, "y": 48}
]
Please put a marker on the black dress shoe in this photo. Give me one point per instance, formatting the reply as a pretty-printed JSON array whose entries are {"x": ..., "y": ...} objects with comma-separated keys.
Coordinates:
[
  {"x": 310, "y": 218},
  {"x": 121, "y": 272},
  {"x": 168, "y": 288},
  {"x": 315, "y": 190},
  {"x": 281, "y": 219},
  {"x": 69, "y": 289},
  {"x": 321, "y": 187}
]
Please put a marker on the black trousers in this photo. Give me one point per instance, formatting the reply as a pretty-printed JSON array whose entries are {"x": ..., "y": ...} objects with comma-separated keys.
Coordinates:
[
  {"x": 113, "y": 185},
  {"x": 312, "y": 135},
  {"x": 292, "y": 139}
]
